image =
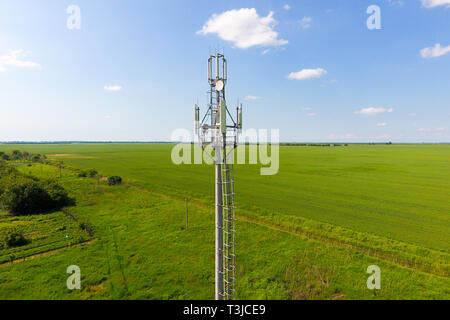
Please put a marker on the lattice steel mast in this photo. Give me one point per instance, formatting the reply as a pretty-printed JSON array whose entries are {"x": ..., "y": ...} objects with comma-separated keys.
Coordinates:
[{"x": 213, "y": 131}]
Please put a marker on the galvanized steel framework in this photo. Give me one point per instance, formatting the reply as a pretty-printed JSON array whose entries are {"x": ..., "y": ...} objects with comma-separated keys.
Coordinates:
[{"x": 213, "y": 131}]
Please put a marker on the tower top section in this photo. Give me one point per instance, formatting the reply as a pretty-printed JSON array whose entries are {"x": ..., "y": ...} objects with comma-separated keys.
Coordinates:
[
  {"x": 220, "y": 126},
  {"x": 217, "y": 72}
]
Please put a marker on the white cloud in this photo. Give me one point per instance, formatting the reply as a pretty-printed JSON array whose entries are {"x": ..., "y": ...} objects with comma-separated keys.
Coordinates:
[
  {"x": 373, "y": 111},
  {"x": 113, "y": 88},
  {"x": 13, "y": 59},
  {"x": 307, "y": 74},
  {"x": 305, "y": 22},
  {"x": 347, "y": 136},
  {"x": 311, "y": 114},
  {"x": 244, "y": 28},
  {"x": 381, "y": 124},
  {"x": 306, "y": 108},
  {"x": 252, "y": 98},
  {"x": 265, "y": 51},
  {"x": 435, "y": 3},
  {"x": 287, "y": 7},
  {"x": 434, "y": 52}
]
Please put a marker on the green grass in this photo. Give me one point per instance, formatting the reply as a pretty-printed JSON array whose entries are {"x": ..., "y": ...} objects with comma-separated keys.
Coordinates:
[
  {"x": 309, "y": 232},
  {"x": 46, "y": 232},
  {"x": 399, "y": 191}
]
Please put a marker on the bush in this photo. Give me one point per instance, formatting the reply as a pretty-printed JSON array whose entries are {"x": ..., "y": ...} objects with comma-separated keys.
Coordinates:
[
  {"x": 16, "y": 154},
  {"x": 92, "y": 173},
  {"x": 36, "y": 158},
  {"x": 86, "y": 226},
  {"x": 12, "y": 238},
  {"x": 57, "y": 194},
  {"x": 82, "y": 174},
  {"x": 113, "y": 180},
  {"x": 22, "y": 196}
]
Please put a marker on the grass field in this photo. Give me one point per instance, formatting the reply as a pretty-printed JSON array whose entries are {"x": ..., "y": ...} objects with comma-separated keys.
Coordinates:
[{"x": 307, "y": 233}]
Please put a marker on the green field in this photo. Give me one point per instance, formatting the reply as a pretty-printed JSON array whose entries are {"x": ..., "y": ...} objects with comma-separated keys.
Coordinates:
[{"x": 308, "y": 232}]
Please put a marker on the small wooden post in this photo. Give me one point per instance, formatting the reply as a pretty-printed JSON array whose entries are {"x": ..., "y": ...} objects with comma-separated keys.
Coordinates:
[{"x": 186, "y": 213}]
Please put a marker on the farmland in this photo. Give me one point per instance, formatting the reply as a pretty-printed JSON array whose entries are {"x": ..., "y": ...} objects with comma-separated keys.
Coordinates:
[{"x": 308, "y": 232}]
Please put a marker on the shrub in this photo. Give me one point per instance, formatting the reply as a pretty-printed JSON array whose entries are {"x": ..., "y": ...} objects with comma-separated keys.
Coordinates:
[
  {"x": 86, "y": 226},
  {"x": 12, "y": 238},
  {"x": 22, "y": 196},
  {"x": 92, "y": 173},
  {"x": 82, "y": 174},
  {"x": 16, "y": 155},
  {"x": 57, "y": 194},
  {"x": 113, "y": 180}
]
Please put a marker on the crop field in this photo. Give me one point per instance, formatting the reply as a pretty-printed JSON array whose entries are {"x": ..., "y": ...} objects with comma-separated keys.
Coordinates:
[
  {"x": 47, "y": 232},
  {"x": 308, "y": 232}
]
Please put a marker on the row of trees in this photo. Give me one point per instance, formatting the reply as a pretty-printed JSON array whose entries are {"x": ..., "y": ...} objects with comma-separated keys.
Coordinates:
[{"x": 19, "y": 155}]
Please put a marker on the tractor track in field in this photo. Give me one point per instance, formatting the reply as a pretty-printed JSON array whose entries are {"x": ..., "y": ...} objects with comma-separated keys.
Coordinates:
[{"x": 389, "y": 258}]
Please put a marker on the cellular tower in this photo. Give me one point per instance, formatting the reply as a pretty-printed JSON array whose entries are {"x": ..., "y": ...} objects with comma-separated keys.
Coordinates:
[{"x": 217, "y": 134}]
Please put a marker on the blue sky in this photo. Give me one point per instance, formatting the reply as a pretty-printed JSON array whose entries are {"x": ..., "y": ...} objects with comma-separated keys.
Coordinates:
[{"x": 309, "y": 68}]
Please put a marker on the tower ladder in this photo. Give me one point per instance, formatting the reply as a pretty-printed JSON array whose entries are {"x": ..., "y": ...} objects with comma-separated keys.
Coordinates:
[{"x": 229, "y": 231}]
